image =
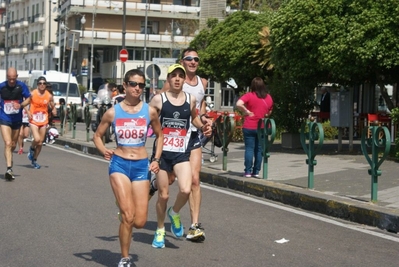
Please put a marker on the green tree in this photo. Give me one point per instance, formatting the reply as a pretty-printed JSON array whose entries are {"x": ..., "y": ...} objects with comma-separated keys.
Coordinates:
[
  {"x": 226, "y": 49},
  {"x": 348, "y": 42},
  {"x": 255, "y": 4}
]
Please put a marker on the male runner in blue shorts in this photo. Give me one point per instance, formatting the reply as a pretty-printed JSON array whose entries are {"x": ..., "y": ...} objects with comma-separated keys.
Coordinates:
[{"x": 12, "y": 95}]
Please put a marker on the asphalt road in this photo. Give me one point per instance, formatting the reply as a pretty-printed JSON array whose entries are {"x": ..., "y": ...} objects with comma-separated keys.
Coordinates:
[{"x": 64, "y": 214}]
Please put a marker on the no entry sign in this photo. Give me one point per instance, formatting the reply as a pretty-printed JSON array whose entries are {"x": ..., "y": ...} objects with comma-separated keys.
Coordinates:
[{"x": 123, "y": 55}]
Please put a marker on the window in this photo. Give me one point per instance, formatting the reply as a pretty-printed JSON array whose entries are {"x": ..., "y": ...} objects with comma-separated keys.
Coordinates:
[
  {"x": 152, "y": 27},
  {"x": 182, "y": 2},
  {"x": 78, "y": 23},
  {"x": 151, "y": 1}
]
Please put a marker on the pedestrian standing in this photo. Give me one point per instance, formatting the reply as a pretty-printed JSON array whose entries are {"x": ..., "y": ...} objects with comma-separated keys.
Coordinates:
[
  {"x": 255, "y": 105},
  {"x": 129, "y": 165},
  {"x": 39, "y": 115},
  {"x": 14, "y": 96},
  {"x": 177, "y": 111}
]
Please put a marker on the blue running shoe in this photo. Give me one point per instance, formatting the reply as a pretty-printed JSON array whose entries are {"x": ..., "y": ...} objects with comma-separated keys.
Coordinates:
[
  {"x": 176, "y": 227},
  {"x": 159, "y": 239},
  {"x": 35, "y": 165},
  {"x": 30, "y": 154}
]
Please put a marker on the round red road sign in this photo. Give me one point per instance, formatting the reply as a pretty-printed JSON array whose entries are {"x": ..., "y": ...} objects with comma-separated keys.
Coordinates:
[{"x": 123, "y": 55}]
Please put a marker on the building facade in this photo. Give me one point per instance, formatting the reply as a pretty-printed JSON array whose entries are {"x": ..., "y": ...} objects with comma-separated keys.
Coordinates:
[{"x": 37, "y": 35}]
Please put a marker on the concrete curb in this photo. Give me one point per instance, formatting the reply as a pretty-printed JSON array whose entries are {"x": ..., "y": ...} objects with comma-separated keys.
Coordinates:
[{"x": 339, "y": 207}]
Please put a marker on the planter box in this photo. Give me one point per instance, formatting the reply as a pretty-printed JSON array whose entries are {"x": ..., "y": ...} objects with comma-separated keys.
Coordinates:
[{"x": 291, "y": 140}]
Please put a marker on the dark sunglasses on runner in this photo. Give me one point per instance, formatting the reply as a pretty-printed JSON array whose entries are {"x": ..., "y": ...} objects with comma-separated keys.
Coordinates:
[
  {"x": 190, "y": 58},
  {"x": 41, "y": 83},
  {"x": 134, "y": 84}
]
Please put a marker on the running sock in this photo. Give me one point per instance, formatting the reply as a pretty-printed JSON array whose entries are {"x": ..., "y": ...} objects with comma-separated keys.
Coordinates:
[{"x": 172, "y": 212}]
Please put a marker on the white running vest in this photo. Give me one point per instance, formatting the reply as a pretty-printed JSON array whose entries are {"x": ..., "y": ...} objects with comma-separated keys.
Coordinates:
[{"x": 198, "y": 91}]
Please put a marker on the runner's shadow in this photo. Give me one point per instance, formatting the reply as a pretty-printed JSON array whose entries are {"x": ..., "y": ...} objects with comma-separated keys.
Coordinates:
[{"x": 103, "y": 257}]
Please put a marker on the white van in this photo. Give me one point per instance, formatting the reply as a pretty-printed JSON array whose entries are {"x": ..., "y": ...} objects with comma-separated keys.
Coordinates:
[{"x": 59, "y": 83}]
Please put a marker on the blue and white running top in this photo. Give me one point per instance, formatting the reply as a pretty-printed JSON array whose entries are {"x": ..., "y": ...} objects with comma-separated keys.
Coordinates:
[
  {"x": 9, "y": 95},
  {"x": 131, "y": 129}
]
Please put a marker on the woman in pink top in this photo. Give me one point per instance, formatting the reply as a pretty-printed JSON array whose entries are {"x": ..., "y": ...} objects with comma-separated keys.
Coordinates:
[{"x": 255, "y": 105}]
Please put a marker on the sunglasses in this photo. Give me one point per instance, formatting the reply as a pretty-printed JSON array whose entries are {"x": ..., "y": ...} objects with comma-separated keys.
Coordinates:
[
  {"x": 134, "y": 84},
  {"x": 41, "y": 83},
  {"x": 190, "y": 58}
]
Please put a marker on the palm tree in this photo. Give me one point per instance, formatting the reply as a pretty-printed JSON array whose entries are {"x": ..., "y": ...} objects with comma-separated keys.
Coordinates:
[{"x": 262, "y": 55}]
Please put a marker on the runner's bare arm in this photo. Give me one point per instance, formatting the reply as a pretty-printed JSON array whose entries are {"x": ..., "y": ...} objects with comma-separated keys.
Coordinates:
[
  {"x": 156, "y": 127},
  {"x": 52, "y": 106},
  {"x": 165, "y": 87},
  {"x": 156, "y": 102},
  {"x": 25, "y": 102},
  {"x": 196, "y": 120},
  {"x": 106, "y": 121}
]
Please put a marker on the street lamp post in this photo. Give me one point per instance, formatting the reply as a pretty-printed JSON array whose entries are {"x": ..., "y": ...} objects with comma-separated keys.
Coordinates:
[
  {"x": 65, "y": 28},
  {"x": 83, "y": 21},
  {"x": 123, "y": 36},
  {"x": 7, "y": 30},
  {"x": 92, "y": 53},
  {"x": 145, "y": 34},
  {"x": 59, "y": 43},
  {"x": 172, "y": 35},
  {"x": 49, "y": 36}
]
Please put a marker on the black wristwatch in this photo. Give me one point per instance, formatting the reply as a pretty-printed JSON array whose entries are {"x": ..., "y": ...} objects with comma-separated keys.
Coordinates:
[{"x": 157, "y": 160}]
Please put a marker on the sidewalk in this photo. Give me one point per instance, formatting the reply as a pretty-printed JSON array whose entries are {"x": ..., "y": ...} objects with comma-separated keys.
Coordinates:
[{"x": 342, "y": 185}]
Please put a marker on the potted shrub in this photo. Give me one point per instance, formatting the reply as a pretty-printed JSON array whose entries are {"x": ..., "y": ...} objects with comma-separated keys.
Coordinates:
[{"x": 292, "y": 105}]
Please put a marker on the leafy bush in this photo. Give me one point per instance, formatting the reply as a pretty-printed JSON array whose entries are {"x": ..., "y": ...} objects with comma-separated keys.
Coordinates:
[
  {"x": 292, "y": 104},
  {"x": 329, "y": 132},
  {"x": 238, "y": 136}
]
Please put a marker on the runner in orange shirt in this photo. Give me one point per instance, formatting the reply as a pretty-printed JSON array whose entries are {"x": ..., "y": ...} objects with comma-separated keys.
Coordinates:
[{"x": 38, "y": 118}]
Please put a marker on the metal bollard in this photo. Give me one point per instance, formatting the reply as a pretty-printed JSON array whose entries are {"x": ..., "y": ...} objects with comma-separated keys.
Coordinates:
[
  {"x": 73, "y": 120},
  {"x": 225, "y": 128},
  {"x": 316, "y": 133},
  {"x": 87, "y": 121},
  {"x": 62, "y": 117},
  {"x": 378, "y": 140},
  {"x": 266, "y": 137}
]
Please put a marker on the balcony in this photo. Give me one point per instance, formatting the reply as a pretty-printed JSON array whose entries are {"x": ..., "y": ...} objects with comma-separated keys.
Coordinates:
[
  {"x": 153, "y": 40},
  {"x": 24, "y": 23},
  {"x": 40, "y": 19},
  {"x": 15, "y": 50},
  {"x": 2, "y": 53},
  {"x": 132, "y": 8},
  {"x": 38, "y": 47},
  {"x": 23, "y": 48},
  {"x": 2, "y": 28}
]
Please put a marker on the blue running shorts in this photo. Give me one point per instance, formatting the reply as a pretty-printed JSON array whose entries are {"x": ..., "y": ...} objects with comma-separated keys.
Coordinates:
[{"x": 135, "y": 170}]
